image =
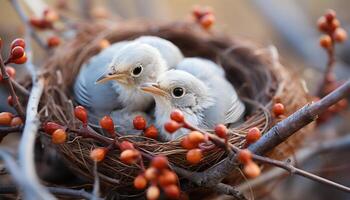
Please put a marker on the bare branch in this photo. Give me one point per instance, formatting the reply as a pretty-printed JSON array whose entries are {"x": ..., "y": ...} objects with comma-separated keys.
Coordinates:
[{"x": 6, "y": 130}]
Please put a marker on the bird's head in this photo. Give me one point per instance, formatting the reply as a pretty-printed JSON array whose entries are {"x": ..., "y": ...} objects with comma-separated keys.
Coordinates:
[
  {"x": 133, "y": 65},
  {"x": 179, "y": 89}
]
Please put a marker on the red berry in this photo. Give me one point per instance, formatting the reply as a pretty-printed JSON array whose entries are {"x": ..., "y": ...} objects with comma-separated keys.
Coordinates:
[
  {"x": 20, "y": 60},
  {"x": 340, "y": 35},
  {"x": 221, "y": 131},
  {"x": 17, "y": 52},
  {"x": 167, "y": 178},
  {"x": 194, "y": 156},
  {"x": 59, "y": 136},
  {"x": 244, "y": 156},
  {"x": 139, "y": 123},
  {"x": 207, "y": 21},
  {"x": 98, "y": 154},
  {"x": 151, "y": 132},
  {"x": 172, "y": 126},
  {"x": 172, "y": 191},
  {"x": 151, "y": 173},
  {"x": 322, "y": 24},
  {"x": 50, "y": 127},
  {"x": 153, "y": 193},
  {"x": 19, "y": 42},
  {"x": 5, "y": 118},
  {"x": 278, "y": 109},
  {"x": 10, "y": 100},
  {"x": 140, "y": 182},
  {"x": 16, "y": 121},
  {"x": 251, "y": 169},
  {"x": 196, "y": 137},
  {"x": 330, "y": 15},
  {"x": 325, "y": 41},
  {"x": 126, "y": 145},
  {"x": 160, "y": 162},
  {"x": 177, "y": 116},
  {"x": 253, "y": 135},
  {"x": 81, "y": 114},
  {"x": 11, "y": 72},
  {"x": 53, "y": 41},
  {"x": 40, "y": 23},
  {"x": 129, "y": 156},
  {"x": 107, "y": 124},
  {"x": 186, "y": 144}
]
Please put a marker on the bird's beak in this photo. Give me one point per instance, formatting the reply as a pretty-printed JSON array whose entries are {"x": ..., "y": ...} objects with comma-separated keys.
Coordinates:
[
  {"x": 117, "y": 77},
  {"x": 153, "y": 88}
]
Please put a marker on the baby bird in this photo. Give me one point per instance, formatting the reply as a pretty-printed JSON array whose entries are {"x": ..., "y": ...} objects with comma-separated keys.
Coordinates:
[
  {"x": 199, "y": 89},
  {"x": 122, "y": 68}
]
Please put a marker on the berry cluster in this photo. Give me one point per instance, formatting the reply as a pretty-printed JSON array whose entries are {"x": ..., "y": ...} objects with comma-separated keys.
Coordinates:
[
  {"x": 46, "y": 22},
  {"x": 140, "y": 124},
  {"x": 17, "y": 53},
  {"x": 203, "y": 16},
  {"x": 330, "y": 25},
  {"x": 8, "y": 119},
  {"x": 157, "y": 176},
  {"x": 250, "y": 169}
]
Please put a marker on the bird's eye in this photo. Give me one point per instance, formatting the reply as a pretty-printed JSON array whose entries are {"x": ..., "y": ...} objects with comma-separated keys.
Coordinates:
[
  {"x": 178, "y": 92},
  {"x": 137, "y": 71}
]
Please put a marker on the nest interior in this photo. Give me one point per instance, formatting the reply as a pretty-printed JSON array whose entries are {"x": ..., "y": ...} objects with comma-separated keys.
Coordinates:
[{"x": 254, "y": 71}]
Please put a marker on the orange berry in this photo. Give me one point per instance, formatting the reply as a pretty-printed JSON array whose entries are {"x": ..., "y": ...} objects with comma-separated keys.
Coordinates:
[
  {"x": 177, "y": 116},
  {"x": 334, "y": 25},
  {"x": 253, "y": 135},
  {"x": 151, "y": 132},
  {"x": 172, "y": 126},
  {"x": 251, "y": 169},
  {"x": 104, "y": 44},
  {"x": 81, "y": 114},
  {"x": 151, "y": 173},
  {"x": 17, "y": 52},
  {"x": 53, "y": 41},
  {"x": 330, "y": 15},
  {"x": 129, "y": 156},
  {"x": 167, "y": 178},
  {"x": 194, "y": 156},
  {"x": 340, "y": 35},
  {"x": 140, "y": 182},
  {"x": 172, "y": 191},
  {"x": 186, "y": 144},
  {"x": 322, "y": 24},
  {"x": 98, "y": 154},
  {"x": 5, "y": 118},
  {"x": 207, "y": 21},
  {"x": 18, "y": 42},
  {"x": 152, "y": 193},
  {"x": 126, "y": 145},
  {"x": 50, "y": 127},
  {"x": 244, "y": 156},
  {"x": 325, "y": 41},
  {"x": 221, "y": 131},
  {"x": 59, "y": 136},
  {"x": 50, "y": 15},
  {"x": 160, "y": 162},
  {"x": 196, "y": 137},
  {"x": 107, "y": 124},
  {"x": 139, "y": 123},
  {"x": 278, "y": 109},
  {"x": 11, "y": 72},
  {"x": 16, "y": 121},
  {"x": 20, "y": 60}
]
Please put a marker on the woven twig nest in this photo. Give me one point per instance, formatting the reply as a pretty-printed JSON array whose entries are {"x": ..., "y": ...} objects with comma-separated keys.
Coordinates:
[{"x": 255, "y": 72}]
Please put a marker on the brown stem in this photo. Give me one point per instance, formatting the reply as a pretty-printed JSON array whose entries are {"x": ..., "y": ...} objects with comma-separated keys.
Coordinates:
[
  {"x": 16, "y": 104},
  {"x": 5, "y": 130}
]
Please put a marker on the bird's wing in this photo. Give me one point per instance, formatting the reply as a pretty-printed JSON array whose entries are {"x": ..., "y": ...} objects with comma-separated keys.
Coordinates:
[
  {"x": 235, "y": 111},
  {"x": 169, "y": 51},
  {"x": 201, "y": 68}
]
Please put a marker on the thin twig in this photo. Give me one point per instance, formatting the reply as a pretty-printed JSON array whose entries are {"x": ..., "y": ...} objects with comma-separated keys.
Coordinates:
[
  {"x": 229, "y": 190},
  {"x": 16, "y": 104},
  {"x": 21, "y": 91},
  {"x": 302, "y": 155}
]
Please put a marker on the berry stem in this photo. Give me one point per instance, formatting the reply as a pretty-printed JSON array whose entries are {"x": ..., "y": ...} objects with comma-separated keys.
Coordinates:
[{"x": 16, "y": 104}]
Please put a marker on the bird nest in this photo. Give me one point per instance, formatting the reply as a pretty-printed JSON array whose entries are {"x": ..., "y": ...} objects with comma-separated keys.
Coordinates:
[{"x": 258, "y": 77}]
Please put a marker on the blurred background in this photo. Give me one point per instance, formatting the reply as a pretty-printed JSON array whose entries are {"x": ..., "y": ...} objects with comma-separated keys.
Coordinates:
[{"x": 290, "y": 25}]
